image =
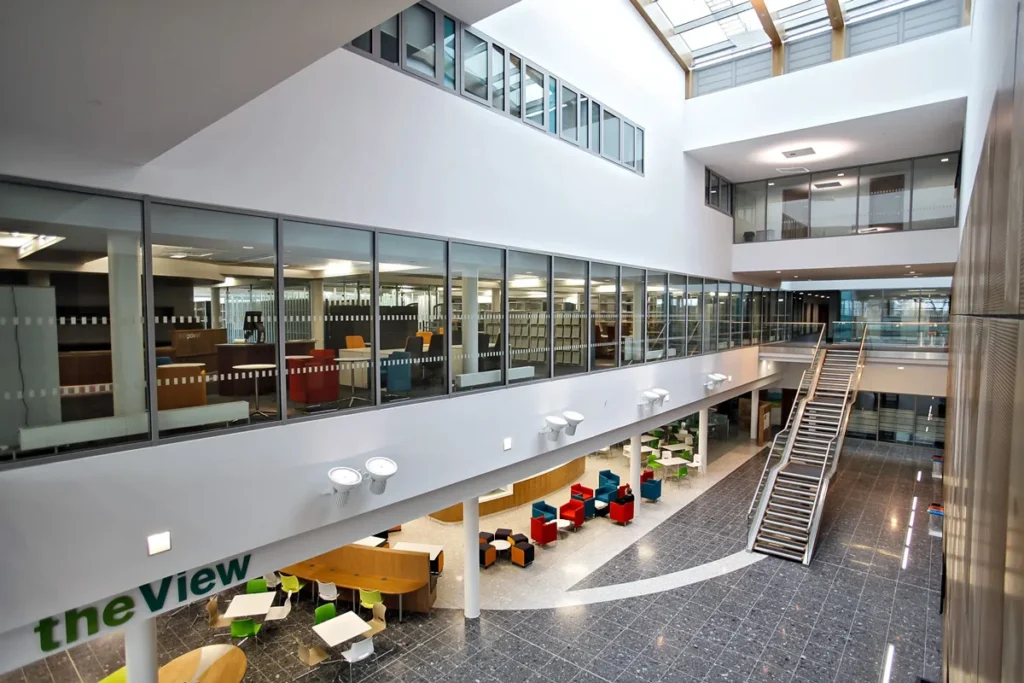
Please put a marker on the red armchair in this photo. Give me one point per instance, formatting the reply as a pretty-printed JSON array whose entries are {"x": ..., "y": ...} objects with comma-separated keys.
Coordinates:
[
  {"x": 645, "y": 475},
  {"x": 313, "y": 380},
  {"x": 581, "y": 492},
  {"x": 573, "y": 511},
  {"x": 543, "y": 532},
  {"x": 621, "y": 510}
]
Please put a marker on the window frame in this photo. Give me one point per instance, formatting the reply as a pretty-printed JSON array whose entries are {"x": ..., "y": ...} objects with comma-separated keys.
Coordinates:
[
  {"x": 403, "y": 61},
  {"x": 461, "y": 70},
  {"x": 720, "y": 192}
]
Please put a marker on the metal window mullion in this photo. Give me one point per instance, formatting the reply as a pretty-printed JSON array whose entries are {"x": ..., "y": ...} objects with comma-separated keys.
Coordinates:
[
  {"x": 589, "y": 334},
  {"x": 449, "y": 330},
  {"x": 438, "y": 47},
  {"x": 374, "y": 369},
  {"x": 149, "y": 312},
  {"x": 856, "y": 215},
  {"x": 643, "y": 316},
  {"x": 506, "y": 353},
  {"x": 507, "y": 78},
  {"x": 375, "y": 43},
  {"x": 910, "y": 202},
  {"x": 618, "y": 311},
  {"x": 281, "y": 379},
  {"x": 551, "y": 316}
]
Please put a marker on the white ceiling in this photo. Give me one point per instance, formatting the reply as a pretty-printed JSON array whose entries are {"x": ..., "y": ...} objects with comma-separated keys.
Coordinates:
[
  {"x": 128, "y": 79},
  {"x": 797, "y": 277},
  {"x": 917, "y": 131},
  {"x": 472, "y": 11}
]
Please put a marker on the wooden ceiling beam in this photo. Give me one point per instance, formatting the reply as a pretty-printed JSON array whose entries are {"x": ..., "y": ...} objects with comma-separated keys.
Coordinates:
[
  {"x": 775, "y": 33},
  {"x": 836, "y": 13},
  {"x": 684, "y": 59}
]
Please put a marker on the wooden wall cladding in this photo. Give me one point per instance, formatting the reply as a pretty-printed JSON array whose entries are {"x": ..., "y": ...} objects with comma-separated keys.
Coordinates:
[{"x": 523, "y": 492}]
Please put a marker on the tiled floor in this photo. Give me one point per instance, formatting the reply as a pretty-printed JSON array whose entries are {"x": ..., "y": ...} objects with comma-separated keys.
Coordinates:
[{"x": 771, "y": 621}]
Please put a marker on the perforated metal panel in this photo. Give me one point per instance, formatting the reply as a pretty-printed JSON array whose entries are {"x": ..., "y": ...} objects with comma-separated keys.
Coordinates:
[
  {"x": 754, "y": 67},
  {"x": 912, "y": 23},
  {"x": 721, "y": 76},
  {"x": 802, "y": 54},
  {"x": 873, "y": 34}
]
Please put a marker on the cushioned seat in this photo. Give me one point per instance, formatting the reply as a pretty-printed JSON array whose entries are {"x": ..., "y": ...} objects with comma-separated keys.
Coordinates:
[
  {"x": 586, "y": 495},
  {"x": 488, "y": 554},
  {"x": 502, "y": 534},
  {"x": 486, "y": 536},
  {"x": 607, "y": 477},
  {"x": 621, "y": 510},
  {"x": 542, "y": 530},
  {"x": 518, "y": 538},
  {"x": 650, "y": 489},
  {"x": 546, "y": 511},
  {"x": 573, "y": 511},
  {"x": 522, "y": 554}
]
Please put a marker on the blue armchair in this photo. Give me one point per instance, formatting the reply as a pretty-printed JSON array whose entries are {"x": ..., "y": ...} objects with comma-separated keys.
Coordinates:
[
  {"x": 651, "y": 489},
  {"x": 607, "y": 477},
  {"x": 607, "y": 493},
  {"x": 542, "y": 509}
]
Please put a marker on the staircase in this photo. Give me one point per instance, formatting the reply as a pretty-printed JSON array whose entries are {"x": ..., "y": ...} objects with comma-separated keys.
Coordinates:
[{"x": 786, "y": 521}]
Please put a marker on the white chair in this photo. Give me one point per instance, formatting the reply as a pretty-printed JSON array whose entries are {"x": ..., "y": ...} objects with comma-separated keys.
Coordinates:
[
  {"x": 273, "y": 581},
  {"x": 327, "y": 592},
  {"x": 278, "y": 613},
  {"x": 360, "y": 650}
]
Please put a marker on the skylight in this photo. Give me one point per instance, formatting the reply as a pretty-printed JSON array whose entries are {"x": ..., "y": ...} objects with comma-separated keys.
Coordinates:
[{"x": 718, "y": 27}]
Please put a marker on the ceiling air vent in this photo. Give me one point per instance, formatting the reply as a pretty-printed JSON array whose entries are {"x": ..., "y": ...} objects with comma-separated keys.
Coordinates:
[
  {"x": 802, "y": 152},
  {"x": 792, "y": 169},
  {"x": 825, "y": 186}
]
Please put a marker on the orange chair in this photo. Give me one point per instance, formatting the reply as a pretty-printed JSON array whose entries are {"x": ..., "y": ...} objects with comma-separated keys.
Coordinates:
[
  {"x": 426, "y": 337},
  {"x": 354, "y": 341}
]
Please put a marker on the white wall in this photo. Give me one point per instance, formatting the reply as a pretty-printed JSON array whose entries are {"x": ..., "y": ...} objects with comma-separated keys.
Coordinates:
[
  {"x": 883, "y": 249},
  {"x": 924, "y": 71},
  {"x": 919, "y": 380},
  {"x": 350, "y": 140}
]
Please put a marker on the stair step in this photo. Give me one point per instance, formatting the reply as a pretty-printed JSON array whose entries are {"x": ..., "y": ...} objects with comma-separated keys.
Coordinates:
[
  {"x": 784, "y": 544},
  {"x": 786, "y": 535},
  {"x": 802, "y": 512},
  {"x": 794, "y": 475},
  {"x": 792, "y": 527},
  {"x": 778, "y": 552},
  {"x": 769, "y": 514},
  {"x": 799, "y": 501}
]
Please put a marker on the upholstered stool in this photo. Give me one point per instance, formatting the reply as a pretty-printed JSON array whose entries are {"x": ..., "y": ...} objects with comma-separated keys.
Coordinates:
[
  {"x": 522, "y": 554},
  {"x": 502, "y": 534},
  {"x": 488, "y": 554},
  {"x": 516, "y": 539},
  {"x": 486, "y": 536}
]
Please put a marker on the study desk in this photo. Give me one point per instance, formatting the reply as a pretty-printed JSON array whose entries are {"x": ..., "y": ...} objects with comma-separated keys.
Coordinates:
[
  {"x": 341, "y": 628},
  {"x": 250, "y": 605},
  {"x": 434, "y": 551}
]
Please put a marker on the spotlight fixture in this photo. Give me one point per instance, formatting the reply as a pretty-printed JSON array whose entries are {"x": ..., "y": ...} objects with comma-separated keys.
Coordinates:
[
  {"x": 380, "y": 470},
  {"x": 344, "y": 479},
  {"x": 573, "y": 420},
  {"x": 648, "y": 398},
  {"x": 663, "y": 395},
  {"x": 553, "y": 426},
  {"x": 715, "y": 380}
]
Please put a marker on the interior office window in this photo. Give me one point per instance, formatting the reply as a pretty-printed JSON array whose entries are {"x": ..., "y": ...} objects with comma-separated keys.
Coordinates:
[
  {"x": 73, "y": 340},
  {"x": 631, "y": 348},
  {"x": 584, "y": 122},
  {"x": 656, "y": 315},
  {"x": 748, "y": 211},
  {"x": 640, "y": 150},
  {"x": 364, "y": 42},
  {"x": 789, "y": 208},
  {"x": 611, "y": 147},
  {"x": 724, "y": 315},
  {"x": 533, "y": 86},
  {"x": 420, "y": 41},
  {"x": 478, "y": 316},
  {"x": 629, "y": 145},
  {"x": 935, "y": 193},
  {"x": 449, "y": 53},
  {"x": 711, "y": 189},
  {"x": 676, "y": 315},
  {"x": 834, "y": 203},
  {"x": 896, "y": 417},
  {"x": 389, "y": 40},
  {"x": 474, "y": 65},
  {"x": 773, "y": 321},
  {"x": 736, "y": 314},
  {"x": 604, "y": 311},
  {"x": 884, "y": 197},
  {"x": 413, "y": 361},
  {"x": 746, "y": 294},
  {"x": 515, "y": 92},
  {"x": 710, "y": 316},
  {"x": 569, "y": 114},
  {"x": 571, "y": 318},
  {"x": 498, "y": 78},
  {"x": 328, "y": 306},
  {"x": 694, "y": 315},
  {"x": 228, "y": 371},
  {"x": 864, "y": 416},
  {"x": 930, "y": 421},
  {"x": 529, "y": 322},
  {"x": 755, "y": 315},
  {"x": 725, "y": 196},
  {"x": 595, "y": 127},
  {"x": 552, "y": 104}
]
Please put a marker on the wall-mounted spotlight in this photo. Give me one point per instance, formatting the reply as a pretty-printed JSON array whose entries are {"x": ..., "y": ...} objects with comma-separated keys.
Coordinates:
[
  {"x": 553, "y": 426},
  {"x": 648, "y": 398},
  {"x": 380, "y": 470},
  {"x": 663, "y": 395},
  {"x": 715, "y": 380},
  {"x": 573, "y": 419},
  {"x": 343, "y": 480}
]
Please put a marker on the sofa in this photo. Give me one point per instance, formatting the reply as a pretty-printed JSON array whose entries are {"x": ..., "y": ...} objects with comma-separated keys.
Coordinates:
[
  {"x": 621, "y": 509},
  {"x": 548, "y": 512},
  {"x": 607, "y": 477},
  {"x": 573, "y": 511},
  {"x": 488, "y": 554},
  {"x": 522, "y": 554},
  {"x": 542, "y": 530},
  {"x": 582, "y": 493}
]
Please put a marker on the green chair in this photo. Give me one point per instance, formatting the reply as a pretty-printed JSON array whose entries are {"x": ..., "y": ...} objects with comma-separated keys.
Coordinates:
[
  {"x": 652, "y": 462},
  {"x": 324, "y": 613},
  {"x": 292, "y": 585},
  {"x": 660, "y": 433},
  {"x": 683, "y": 473},
  {"x": 244, "y": 629},
  {"x": 368, "y": 599},
  {"x": 256, "y": 586}
]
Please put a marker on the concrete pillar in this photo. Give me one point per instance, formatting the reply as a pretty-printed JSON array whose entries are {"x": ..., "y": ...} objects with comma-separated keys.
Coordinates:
[
  {"x": 471, "y": 553},
  {"x": 702, "y": 440},
  {"x": 754, "y": 396},
  {"x": 470, "y": 324},
  {"x": 214, "y": 322},
  {"x": 634, "y": 468},
  {"x": 316, "y": 305},
  {"x": 127, "y": 347},
  {"x": 140, "y": 651}
]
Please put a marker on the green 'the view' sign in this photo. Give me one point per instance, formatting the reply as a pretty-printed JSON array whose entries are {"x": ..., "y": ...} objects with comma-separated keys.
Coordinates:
[{"x": 61, "y": 631}]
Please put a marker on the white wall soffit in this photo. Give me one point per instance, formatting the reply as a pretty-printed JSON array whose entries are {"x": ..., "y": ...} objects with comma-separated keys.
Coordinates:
[{"x": 875, "y": 283}]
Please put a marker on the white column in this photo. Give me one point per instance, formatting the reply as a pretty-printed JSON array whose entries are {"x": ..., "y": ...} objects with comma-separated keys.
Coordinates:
[
  {"x": 634, "y": 469},
  {"x": 471, "y": 552},
  {"x": 127, "y": 350},
  {"x": 470, "y": 324},
  {"x": 316, "y": 309},
  {"x": 754, "y": 395},
  {"x": 702, "y": 440},
  {"x": 140, "y": 651},
  {"x": 214, "y": 322}
]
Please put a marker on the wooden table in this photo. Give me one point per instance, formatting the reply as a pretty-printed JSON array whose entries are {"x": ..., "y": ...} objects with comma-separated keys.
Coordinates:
[
  {"x": 316, "y": 570},
  {"x": 371, "y": 541},
  {"x": 210, "y": 664}
]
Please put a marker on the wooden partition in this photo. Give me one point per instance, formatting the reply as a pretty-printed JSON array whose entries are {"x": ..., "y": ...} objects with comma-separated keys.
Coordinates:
[{"x": 524, "y": 491}]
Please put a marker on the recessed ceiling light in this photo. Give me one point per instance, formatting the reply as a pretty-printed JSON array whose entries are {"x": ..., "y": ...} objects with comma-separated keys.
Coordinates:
[
  {"x": 840, "y": 175},
  {"x": 796, "y": 276},
  {"x": 778, "y": 272},
  {"x": 771, "y": 184},
  {"x": 247, "y": 247},
  {"x": 159, "y": 543},
  {"x": 802, "y": 152},
  {"x": 912, "y": 272},
  {"x": 899, "y": 367},
  {"x": 714, "y": 191},
  {"x": 906, "y": 266},
  {"x": 793, "y": 169},
  {"x": 944, "y": 159},
  {"x": 825, "y": 186}
]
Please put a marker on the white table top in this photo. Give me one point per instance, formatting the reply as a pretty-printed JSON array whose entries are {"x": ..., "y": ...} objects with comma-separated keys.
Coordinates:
[
  {"x": 432, "y": 550},
  {"x": 600, "y": 504},
  {"x": 673, "y": 461},
  {"x": 341, "y": 628},
  {"x": 563, "y": 524},
  {"x": 675, "y": 447},
  {"x": 501, "y": 545},
  {"x": 255, "y": 366},
  {"x": 370, "y": 541},
  {"x": 250, "y": 605},
  {"x": 298, "y": 357},
  {"x": 648, "y": 437},
  {"x": 182, "y": 365}
]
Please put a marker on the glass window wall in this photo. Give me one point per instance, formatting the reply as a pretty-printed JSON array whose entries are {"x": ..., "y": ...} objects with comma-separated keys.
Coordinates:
[
  {"x": 389, "y": 40},
  {"x": 640, "y": 150},
  {"x": 723, "y": 315},
  {"x": 552, "y": 112},
  {"x": 611, "y": 147},
  {"x": 934, "y": 196},
  {"x": 604, "y": 310},
  {"x": 756, "y": 297},
  {"x": 710, "y": 316},
  {"x": 449, "y": 53},
  {"x": 474, "y": 65},
  {"x": 478, "y": 318},
  {"x": 529, "y": 325},
  {"x": 533, "y": 86},
  {"x": 694, "y": 316},
  {"x": 631, "y": 350},
  {"x": 570, "y": 287},
  {"x": 364, "y": 42},
  {"x": 628, "y": 145},
  {"x": 884, "y": 203},
  {"x": 834, "y": 203},
  {"x": 595, "y": 127},
  {"x": 676, "y": 315},
  {"x": 498, "y": 78},
  {"x": 788, "y": 208},
  {"x": 657, "y": 315},
  {"x": 515, "y": 91},
  {"x": 420, "y": 41},
  {"x": 569, "y": 114},
  {"x": 584, "y": 122},
  {"x": 749, "y": 206}
]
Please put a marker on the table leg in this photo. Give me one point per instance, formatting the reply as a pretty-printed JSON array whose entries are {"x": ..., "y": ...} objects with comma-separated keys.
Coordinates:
[
  {"x": 399, "y": 608},
  {"x": 256, "y": 386},
  {"x": 352, "y": 396}
]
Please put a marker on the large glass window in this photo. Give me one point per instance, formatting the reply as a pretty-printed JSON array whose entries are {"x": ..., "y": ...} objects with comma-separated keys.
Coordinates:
[
  {"x": 474, "y": 65},
  {"x": 569, "y": 114},
  {"x": 896, "y": 418},
  {"x": 745, "y": 311},
  {"x": 640, "y": 150},
  {"x": 411, "y": 273},
  {"x": 628, "y": 145},
  {"x": 657, "y": 315},
  {"x": 552, "y": 104},
  {"x": 584, "y": 119},
  {"x": 328, "y": 301},
  {"x": 788, "y": 208},
  {"x": 449, "y": 53},
  {"x": 611, "y": 147},
  {"x": 570, "y": 286},
  {"x": 749, "y": 201},
  {"x": 595, "y": 127},
  {"x": 736, "y": 314},
  {"x": 834, "y": 203},
  {"x": 364, "y": 42},
  {"x": 529, "y": 323},
  {"x": 230, "y": 367},
  {"x": 72, "y": 333},
  {"x": 676, "y": 315},
  {"x": 755, "y": 315},
  {"x": 604, "y": 310},
  {"x": 515, "y": 93},
  {"x": 884, "y": 197},
  {"x": 498, "y": 78},
  {"x": 864, "y": 416},
  {"x": 934, "y": 196},
  {"x": 723, "y": 316},
  {"x": 694, "y": 315},
  {"x": 533, "y": 86},
  {"x": 632, "y": 348},
  {"x": 710, "y": 316},
  {"x": 930, "y": 425},
  {"x": 478, "y": 292},
  {"x": 420, "y": 41},
  {"x": 389, "y": 40}
]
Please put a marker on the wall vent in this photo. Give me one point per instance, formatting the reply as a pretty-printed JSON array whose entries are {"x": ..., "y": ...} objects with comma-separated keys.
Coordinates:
[{"x": 792, "y": 169}]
